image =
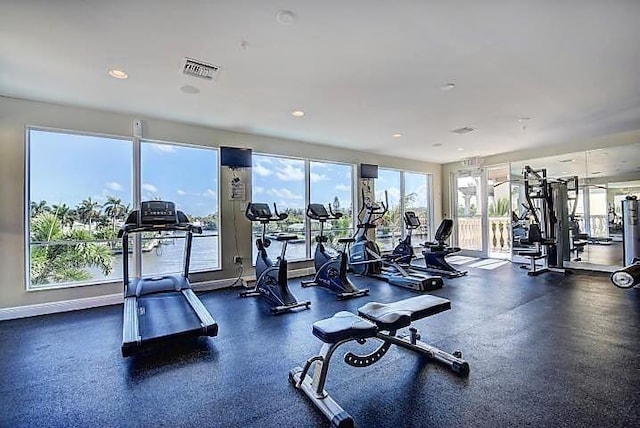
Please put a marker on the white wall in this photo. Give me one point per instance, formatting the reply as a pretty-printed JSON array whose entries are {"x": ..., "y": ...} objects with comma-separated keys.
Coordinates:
[{"x": 16, "y": 115}]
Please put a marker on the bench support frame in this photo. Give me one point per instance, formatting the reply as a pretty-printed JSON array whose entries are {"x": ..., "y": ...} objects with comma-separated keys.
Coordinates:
[{"x": 312, "y": 379}]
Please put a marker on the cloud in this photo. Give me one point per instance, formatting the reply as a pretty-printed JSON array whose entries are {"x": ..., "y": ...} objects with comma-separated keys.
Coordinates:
[
  {"x": 261, "y": 170},
  {"x": 181, "y": 192},
  {"x": 290, "y": 173},
  {"x": 113, "y": 185},
  {"x": 167, "y": 148},
  {"x": 258, "y": 189},
  {"x": 149, "y": 188},
  {"x": 393, "y": 193},
  {"x": 209, "y": 193},
  {"x": 343, "y": 187},
  {"x": 284, "y": 194},
  {"x": 318, "y": 177}
]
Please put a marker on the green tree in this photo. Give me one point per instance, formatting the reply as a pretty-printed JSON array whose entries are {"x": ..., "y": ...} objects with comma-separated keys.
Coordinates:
[
  {"x": 87, "y": 210},
  {"x": 113, "y": 208},
  {"x": 39, "y": 207},
  {"x": 53, "y": 260}
]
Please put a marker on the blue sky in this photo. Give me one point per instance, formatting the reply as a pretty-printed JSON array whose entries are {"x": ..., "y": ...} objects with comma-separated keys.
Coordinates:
[{"x": 67, "y": 168}]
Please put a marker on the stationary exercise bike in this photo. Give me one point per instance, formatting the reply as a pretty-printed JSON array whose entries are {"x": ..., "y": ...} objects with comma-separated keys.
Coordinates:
[
  {"x": 271, "y": 278},
  {"x": 331, "y": 271}
]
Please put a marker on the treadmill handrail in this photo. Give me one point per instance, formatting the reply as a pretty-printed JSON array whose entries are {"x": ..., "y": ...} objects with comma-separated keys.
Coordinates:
[{"x": 138, "y": 228}]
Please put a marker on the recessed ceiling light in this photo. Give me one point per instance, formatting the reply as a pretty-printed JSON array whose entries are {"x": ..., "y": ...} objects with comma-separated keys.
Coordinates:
[
  {"x": 523, "y": 119},
  {"x": 437, "y": 145},
  {"x": 286, "y": 17},
  {"x": 188, "y": 89},
  {"x": 297, "y": 113},
  {"x": 397, "y": 135},
  {"x": 118, "y": 74},
  {"x": 460, "y": 149},
  {"x": 447, "y": 87},
  {"x": 604, "y": 154}
]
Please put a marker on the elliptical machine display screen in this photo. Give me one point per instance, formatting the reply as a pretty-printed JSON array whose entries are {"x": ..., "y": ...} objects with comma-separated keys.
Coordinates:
[{"x": 158, "y": 212}]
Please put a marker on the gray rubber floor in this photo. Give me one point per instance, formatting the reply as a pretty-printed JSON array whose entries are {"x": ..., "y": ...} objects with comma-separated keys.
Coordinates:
[{"x": 550, "y": 351}]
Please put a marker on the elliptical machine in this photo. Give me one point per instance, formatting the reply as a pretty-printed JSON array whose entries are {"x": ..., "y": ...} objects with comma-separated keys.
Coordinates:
[
  {"x": 365, "y": 257},
  {"x": 331, "y": 271},
  {"x": 271, "y": 278}
]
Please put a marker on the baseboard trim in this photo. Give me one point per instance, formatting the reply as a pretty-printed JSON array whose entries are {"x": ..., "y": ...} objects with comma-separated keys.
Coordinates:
[
  {"x": 61, "y": 306},
  {"x": 27, "y": 311}
]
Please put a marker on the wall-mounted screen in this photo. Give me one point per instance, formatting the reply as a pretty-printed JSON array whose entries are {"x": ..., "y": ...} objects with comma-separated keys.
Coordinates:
[
  {"x": 235, "y": 157},
  {"x": 368, "y": 171}
]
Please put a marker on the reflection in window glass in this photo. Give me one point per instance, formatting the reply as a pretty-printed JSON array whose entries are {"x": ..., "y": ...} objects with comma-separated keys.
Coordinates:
[
  {"x": 187, "y": 176},
  {"x": 389, "y": 228},
  {"x": 331, "y": 185},
  {"x": 416, "y": 198},
  {"x": 282, "y": 181},
  {"x": 79, "y": 191}
]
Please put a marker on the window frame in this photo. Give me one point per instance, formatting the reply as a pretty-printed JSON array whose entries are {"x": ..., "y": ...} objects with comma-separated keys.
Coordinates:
[
  {"x": 307, "y": 186},
  {"x": 136, "y": 166}
]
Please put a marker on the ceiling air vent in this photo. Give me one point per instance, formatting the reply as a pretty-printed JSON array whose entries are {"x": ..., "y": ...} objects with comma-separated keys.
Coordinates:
[
  {"x": 462, "y": 131},
  {"x": 200, "y": 69}
]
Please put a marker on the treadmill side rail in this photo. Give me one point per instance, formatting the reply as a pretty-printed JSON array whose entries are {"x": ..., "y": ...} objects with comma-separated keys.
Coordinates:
[
  {"x": 209, "y": 326},
  {"x": 131, "y": 339}
]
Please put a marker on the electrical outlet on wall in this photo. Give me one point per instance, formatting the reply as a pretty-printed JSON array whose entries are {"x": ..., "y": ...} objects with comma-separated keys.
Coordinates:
[{"x": 237, "y": 260}]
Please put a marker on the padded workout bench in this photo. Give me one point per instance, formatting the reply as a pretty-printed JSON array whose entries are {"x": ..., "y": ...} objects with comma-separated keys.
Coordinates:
[{"x": 374, "y": 321}]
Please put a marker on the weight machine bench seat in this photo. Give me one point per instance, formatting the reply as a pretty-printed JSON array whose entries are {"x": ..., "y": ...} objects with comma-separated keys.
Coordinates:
[
  {"x": 379, "y": 316},
  {"x": 286, "y": 237},
  {"x": 343, "y": 325},
  {"x": 400, "y": 314}
]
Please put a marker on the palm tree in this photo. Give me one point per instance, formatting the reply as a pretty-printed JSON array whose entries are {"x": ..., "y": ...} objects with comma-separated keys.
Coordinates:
[
  {"x": 87, "y": 210},
  {"x": 53, "y": 260},
  {"x": 113, "y": 208},
  {"x": 38, "y": 207},
  {"x": 64, "y": 213}
]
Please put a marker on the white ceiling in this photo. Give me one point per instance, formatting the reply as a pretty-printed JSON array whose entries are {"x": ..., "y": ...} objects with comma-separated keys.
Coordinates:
[{"x": 361, "y": 69}]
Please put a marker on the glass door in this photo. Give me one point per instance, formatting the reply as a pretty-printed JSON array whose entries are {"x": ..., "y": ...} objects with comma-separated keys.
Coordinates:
[
  {"x": 499, "y": 212},
  {"x": 470, "y": 213}
]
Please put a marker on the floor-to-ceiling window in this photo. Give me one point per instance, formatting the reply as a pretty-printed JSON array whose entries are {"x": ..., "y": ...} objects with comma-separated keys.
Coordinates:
[
  {"x": 417, "y": 198},
  {"x": 331, "y": 185},
  {"x": 194, "y": 191},
  {"x": 80, "y": 190},
  {"x": 403, "y": 191},
  {"x": 387, "y": 189},
  {"x": 281, "y": 181}
]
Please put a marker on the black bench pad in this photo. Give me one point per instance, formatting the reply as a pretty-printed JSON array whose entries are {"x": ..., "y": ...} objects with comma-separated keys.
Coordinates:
[
  {"x": 343, "y": 325},
  {"x": 397, "y": 315}
]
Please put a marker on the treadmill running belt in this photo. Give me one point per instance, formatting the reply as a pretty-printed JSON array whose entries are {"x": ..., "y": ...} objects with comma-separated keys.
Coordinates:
[{"x": 165, "y": 314}]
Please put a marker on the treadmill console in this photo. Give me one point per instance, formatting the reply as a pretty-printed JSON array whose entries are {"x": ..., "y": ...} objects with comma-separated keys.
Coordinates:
[{"x": 158, "y": 213}]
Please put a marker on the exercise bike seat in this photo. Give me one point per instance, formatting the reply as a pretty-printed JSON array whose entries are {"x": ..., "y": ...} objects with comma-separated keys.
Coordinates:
[
  {"x": 286, "y": 237},
  {"x": 342, "y": 326},
  {"x": 397, "y": 315}
]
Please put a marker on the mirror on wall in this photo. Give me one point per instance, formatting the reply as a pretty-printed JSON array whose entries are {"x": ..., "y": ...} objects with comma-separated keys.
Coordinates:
[{"x": 592, "y": 238}]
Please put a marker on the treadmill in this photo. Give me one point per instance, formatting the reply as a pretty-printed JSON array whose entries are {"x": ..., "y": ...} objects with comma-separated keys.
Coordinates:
[{"x": 161, "y": 308}]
